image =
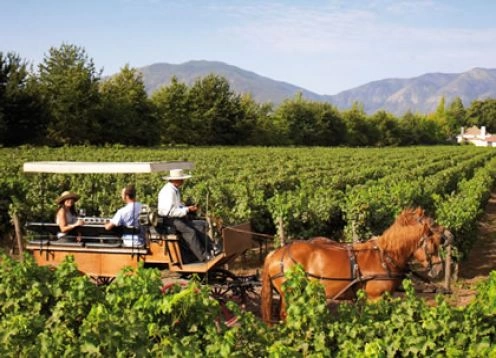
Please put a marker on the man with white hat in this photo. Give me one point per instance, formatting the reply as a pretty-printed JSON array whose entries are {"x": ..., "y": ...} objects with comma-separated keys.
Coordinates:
[{"x": 171, "y": 206}]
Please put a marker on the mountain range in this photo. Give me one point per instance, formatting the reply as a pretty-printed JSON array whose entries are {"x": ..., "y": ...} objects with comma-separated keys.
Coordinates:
[{"x": 397, "y": 96}]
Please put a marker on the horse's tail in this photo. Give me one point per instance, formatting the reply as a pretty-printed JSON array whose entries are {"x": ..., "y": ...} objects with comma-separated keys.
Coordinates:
[{"x": 266, "y": 292}]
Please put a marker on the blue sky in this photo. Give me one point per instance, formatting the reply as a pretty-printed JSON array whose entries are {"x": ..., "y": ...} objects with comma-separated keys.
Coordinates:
[{"x": 323, "y": 46}]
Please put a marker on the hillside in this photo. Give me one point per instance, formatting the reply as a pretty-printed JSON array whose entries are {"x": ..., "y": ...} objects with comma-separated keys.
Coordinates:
[
  {"x": 418, "y": 94},
  {"x": 263, "y": 89}
]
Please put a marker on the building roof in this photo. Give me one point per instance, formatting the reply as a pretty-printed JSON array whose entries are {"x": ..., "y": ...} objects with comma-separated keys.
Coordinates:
[
  {"x": 491, "y": 139},
  {"x": 472, "y": 131}
]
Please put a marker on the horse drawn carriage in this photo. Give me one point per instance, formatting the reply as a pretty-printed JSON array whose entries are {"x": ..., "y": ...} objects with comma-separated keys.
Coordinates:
[
  {"x": 376, "y": 266},
  {"x": 99, "y": 252}
]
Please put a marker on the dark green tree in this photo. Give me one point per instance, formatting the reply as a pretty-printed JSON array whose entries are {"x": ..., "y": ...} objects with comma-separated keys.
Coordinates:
[
  {"x": 173, "y": 112},
  {"x": 331, "y": 124},
  {"x": 297, "y": 119},
  {"x": 250, "y": 126},
  {"x": 482, "y": 113},
  {"x": 388, "y": 129},
  {"x": 455, "y": 117},
  {"x": 359, "y": 131},
  {"x": 310, "y": 123},
  {"x": 269, "y": 129},
  {"x": 417, "y": 129},
  {"x": 126, "y": 115},
  {"x": 216, "y": 112},
  {"x": 69, "y": 85},
  {"x": 22, "y": 115}
]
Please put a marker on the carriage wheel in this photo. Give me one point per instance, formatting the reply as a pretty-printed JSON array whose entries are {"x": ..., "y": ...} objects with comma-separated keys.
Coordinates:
[
  {"x": 102, "y": 280},
  {"x": 222, "y": 282},
  {"x": 244, "y": 291}
]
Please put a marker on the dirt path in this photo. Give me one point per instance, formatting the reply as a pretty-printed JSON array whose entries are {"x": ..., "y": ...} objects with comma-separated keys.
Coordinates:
[{"x": 481, "y": 260}]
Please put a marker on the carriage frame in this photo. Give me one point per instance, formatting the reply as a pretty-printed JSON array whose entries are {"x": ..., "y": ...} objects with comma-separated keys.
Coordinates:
[{"x": 100, "y": 256}]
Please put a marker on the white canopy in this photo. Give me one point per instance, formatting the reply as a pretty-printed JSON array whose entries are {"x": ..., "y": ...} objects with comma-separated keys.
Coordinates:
[{"x": 105, "y": 167}]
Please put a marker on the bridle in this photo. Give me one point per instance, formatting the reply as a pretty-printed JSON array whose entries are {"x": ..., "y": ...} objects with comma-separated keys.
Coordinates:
[{"x": 446, "y": 240}]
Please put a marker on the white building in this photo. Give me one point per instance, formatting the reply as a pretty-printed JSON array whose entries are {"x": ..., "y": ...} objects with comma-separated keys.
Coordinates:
[{"x": 478, "y": 137}]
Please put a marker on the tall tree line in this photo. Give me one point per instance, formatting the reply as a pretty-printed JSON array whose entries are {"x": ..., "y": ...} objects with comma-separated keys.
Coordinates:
[{"x": 65, "y": 101}]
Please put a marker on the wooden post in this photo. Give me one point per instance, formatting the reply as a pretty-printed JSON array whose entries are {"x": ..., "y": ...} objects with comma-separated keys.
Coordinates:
[
  {"x": 18, "y": 234},
  {"x": 447, "y": 270},
  {"x": 280, "y": 229},
  {"x": 353, "y": 232}
]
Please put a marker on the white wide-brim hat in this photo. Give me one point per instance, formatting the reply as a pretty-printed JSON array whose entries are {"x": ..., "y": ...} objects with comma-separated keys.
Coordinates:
[{"x": 177, "y": 174}]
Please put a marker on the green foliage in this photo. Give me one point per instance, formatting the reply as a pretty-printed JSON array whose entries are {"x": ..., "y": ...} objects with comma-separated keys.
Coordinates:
[
  {"x": 315, "y": 190},
  {"x": 173, "y": 110},
  {"x": 482, "y": 113},
  {"x": 68, "y": 82},
  {"x": 126, "y": 115},
  {"x": 22, "y": 114},
  {"x": 66, "y": 102},
  {"x": 58, "y": 312}
]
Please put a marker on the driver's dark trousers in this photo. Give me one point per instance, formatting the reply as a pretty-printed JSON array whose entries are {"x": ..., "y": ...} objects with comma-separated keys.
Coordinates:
[{"x": 197, "y": 241}]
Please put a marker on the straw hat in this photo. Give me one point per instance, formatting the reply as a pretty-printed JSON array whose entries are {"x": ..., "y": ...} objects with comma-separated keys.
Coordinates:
[
  {"x": 177, "y": 174},
  {"x": 67, "y": 195}
]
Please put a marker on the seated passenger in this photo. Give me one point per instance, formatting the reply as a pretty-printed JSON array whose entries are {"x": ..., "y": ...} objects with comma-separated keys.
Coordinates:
[
  {"x": 66, "y": 216},
  {"x": 128, "y": 215},
  {"x": 171, "y": 207}
]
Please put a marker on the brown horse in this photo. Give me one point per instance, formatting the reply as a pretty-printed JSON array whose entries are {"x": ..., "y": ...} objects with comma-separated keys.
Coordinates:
[{"x": 376, "y": 266}]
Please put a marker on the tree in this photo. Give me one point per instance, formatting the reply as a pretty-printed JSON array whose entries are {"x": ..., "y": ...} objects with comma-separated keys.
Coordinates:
[
  {"x": 360, "y": 132},
  {"x": 173, "y": 111},
  {"x": 250, "y": 126},
  {"x": 418, "y": 129},
  {"x": 22, "y": 115},
  {"x": 310, "y": 123},
  {"x": 331, "y": 124},
  {"x": 69, "y": 85},
  {"x": 127, "y": 113},
  {"x": 455, "y": 117},
  {"x": 298, "y": 119},
  {"x": 216, "y": 112},
  {"x": 388, "y": 129},
  {"x": 482, "y": 113}
]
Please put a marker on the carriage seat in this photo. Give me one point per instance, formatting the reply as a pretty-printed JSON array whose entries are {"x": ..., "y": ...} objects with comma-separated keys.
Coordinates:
[{"x": 164, "y": 226}]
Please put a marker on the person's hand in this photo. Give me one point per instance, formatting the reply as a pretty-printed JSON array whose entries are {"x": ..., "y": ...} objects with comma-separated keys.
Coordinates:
[
  {"x": 80, "y": 222},
  {"x": 192, "y": 208}
]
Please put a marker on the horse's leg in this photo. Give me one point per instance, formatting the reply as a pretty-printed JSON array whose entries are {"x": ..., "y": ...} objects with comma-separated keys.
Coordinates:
[
  {"x": 282, "y": 310},
  {"x": 375, "y": 289},
  {"x": 266, "y": 293}
]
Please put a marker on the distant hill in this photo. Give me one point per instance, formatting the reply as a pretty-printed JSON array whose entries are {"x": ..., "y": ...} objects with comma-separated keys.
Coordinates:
[
  {"x": 263, "y": 89},
  {"x": 419, "y": 94}
]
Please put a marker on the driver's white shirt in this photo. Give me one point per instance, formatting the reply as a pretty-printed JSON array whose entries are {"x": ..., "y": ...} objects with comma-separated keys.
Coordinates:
[{"x": 169, "y": 202}]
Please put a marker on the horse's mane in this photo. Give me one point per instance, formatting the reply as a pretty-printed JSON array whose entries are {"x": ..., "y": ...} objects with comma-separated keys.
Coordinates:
[{"x": 405, "y": 231}]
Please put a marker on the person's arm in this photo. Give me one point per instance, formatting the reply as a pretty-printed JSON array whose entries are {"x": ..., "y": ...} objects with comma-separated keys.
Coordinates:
[
  {"x": 115, "y": 221},
  {"x": 64, "y": 226},
  {"x": 109, "y": 225},
  {"x": 168, "y": 205}
]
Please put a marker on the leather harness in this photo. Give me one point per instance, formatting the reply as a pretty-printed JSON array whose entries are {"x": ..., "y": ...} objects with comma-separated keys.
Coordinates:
[{"x": 356, "y": 276}]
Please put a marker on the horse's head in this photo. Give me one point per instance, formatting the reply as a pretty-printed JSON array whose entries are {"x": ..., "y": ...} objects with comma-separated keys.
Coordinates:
[{"x": 427, "y": 253}]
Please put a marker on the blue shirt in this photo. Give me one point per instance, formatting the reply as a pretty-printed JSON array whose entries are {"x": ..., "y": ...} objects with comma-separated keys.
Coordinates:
[{"x": 129, "y": 216}]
